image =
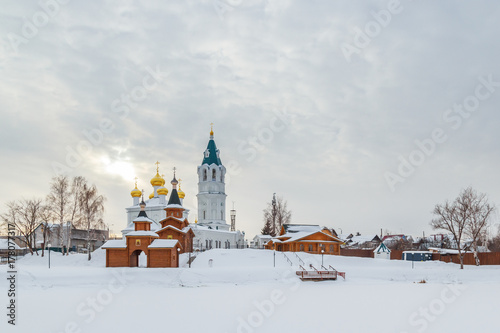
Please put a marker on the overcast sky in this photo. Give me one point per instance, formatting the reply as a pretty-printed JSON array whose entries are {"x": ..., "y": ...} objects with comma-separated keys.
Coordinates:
[{"x": 321, "y": 102}]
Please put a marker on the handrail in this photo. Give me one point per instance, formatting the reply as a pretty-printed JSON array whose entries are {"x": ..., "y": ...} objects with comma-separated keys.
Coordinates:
[
  {"x": 300, "y": 260},
  {"x": 332, "y": 267},
  {"x": 291, "y": 264}
]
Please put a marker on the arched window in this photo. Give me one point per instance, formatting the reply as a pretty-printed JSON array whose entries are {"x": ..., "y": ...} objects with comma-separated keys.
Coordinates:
[
  {"x": 205, "y": 176},
  {"x": 214, "y": 174},
  {"x": 204, "y": 214},
  {"x": 310, "y": 247},
  {"x": 301, "y": 247}
]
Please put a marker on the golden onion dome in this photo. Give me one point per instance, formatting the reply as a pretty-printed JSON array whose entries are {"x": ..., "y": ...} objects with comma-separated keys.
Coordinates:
[
  {"x": 181, "y": 194},
  {"x": 162, "y": 191},
  {"x": 157, "y": 180},
  {"x": 152, "y": 195},
  {"x": 136, "y": 193}
]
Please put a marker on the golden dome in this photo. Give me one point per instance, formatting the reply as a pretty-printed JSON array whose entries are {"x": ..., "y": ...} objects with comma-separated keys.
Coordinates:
[
  {"x": 152, "y": 195},
  {"x": 212, "y": 129},
  {"x": 162, "y": 191},
  {"x": 157, "y": 180},
  {"x": 181, "y": 194},
  {"x": 136, "y": 192}
]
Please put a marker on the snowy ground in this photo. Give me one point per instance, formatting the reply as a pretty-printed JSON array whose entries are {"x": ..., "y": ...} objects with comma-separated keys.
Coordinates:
[{"x": 242, "y": 292}]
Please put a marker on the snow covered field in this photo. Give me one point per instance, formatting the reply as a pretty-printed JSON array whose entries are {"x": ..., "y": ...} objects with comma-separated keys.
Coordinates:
[{"x": 242, "y": 292}]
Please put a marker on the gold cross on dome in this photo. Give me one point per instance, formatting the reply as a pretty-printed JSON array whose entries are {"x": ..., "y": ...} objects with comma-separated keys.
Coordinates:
[
  {"x": 157, "y": 166},
  {"x": 180, "y": 183},
  {"x": 136, "y": 182}
]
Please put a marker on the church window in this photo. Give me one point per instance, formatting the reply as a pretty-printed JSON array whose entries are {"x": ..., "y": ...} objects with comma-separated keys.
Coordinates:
[
  {"x": 214, "y": 173},
  {"x": 207, "y": 153},
  {"x": 205, "y": 174},
  {"x": 204, "y": 214},
  {"x": 221, "y": 215},
  {"x": 206, "y": 243}
]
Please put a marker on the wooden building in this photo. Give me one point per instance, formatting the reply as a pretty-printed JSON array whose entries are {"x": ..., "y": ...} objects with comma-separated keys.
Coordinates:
[
  {"x": 162, "y": 247},
  {"x": 305, "y": 238}
]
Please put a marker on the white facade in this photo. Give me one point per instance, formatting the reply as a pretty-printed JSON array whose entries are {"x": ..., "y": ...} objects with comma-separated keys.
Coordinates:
[
  {"x": 259, "y": 241},
  {"x": 212, "y": 189},
  {"x": 212, "y": 231},
  {"x": 382, "y": 252},
  {"x": 206, "y": 238}
]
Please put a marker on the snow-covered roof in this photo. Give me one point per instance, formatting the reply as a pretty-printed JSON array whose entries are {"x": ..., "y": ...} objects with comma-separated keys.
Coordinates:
[
  {"x": 163, "y": 244},
  {"x": 292, "y": 228},
  {"x": 382, "y": 248},
  {"x": 171, "y": 227},
  {"x": 142, "y": 233},
  {"x": 115, "y": 244},
  {"x": 295, "y": 236},
  {"x": 174, "y": 206},
  {"x": 143, "y": 219},
  {"x": 4, "y": 244}
]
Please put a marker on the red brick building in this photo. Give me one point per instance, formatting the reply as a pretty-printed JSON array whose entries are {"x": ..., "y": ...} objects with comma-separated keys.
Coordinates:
[{"x": 162, "y": 248}]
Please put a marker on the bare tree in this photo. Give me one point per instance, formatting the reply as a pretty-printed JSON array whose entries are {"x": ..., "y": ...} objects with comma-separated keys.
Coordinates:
[
  {"x": 467, "y": 215},
  {"x": 275, "y": 215},
  {"x": 91, "y": 205},
  {"x": 58, "y": 201},
  {"x": 75, "y": 215},
  {"x": 25, "y": 216},
  {"x": 452, "y": 218},
  {"x": 479, "y": 212},
  {"x": 45, "y": 215}
]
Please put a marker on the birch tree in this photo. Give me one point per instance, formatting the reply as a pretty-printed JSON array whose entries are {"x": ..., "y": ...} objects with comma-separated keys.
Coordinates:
[
  {"x": 58, "y": 201},
  {"x": 91, "y": 205}
]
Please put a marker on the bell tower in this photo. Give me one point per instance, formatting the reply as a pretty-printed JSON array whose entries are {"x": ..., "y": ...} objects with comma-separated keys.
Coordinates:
[{"x": 211, "y": 188}]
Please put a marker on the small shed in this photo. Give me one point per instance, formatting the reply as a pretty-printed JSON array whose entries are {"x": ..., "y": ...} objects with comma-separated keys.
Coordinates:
[
  {"x": 417, "y": 255},
  {"x": 382, "y": 252}
]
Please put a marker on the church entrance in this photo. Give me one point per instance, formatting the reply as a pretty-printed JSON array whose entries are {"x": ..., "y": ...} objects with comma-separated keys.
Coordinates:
[{"x": 138, "y": 259}]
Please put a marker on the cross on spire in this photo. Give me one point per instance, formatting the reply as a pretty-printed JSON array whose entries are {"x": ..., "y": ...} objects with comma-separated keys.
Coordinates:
[
  {"x": 157, "y": 166},
  {"x": 136, "y": 181},
  {"x": 174, "y": 171}
]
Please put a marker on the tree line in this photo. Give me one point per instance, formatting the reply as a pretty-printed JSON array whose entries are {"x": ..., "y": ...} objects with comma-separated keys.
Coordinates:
[{"x": 71, "y": 201}]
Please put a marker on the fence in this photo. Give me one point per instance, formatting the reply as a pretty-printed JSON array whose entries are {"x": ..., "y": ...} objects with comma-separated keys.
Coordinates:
[{"x": 485, "y": 258}]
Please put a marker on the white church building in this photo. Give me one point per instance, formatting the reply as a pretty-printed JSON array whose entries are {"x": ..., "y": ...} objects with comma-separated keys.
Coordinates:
[{"x": 211, "y": 230}]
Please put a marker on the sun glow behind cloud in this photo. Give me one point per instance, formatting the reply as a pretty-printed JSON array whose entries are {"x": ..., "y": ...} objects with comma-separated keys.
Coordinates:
[{"x": 118, "y": 168}]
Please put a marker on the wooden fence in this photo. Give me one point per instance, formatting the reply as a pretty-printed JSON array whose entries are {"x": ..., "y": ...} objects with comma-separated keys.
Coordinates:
[
  {"x": 356, "y": 253},
  {"x": 485, "y": 258}
]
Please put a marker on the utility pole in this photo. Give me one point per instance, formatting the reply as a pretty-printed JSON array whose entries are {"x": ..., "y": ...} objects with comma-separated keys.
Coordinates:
[{"x": 274, "y": 214}]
